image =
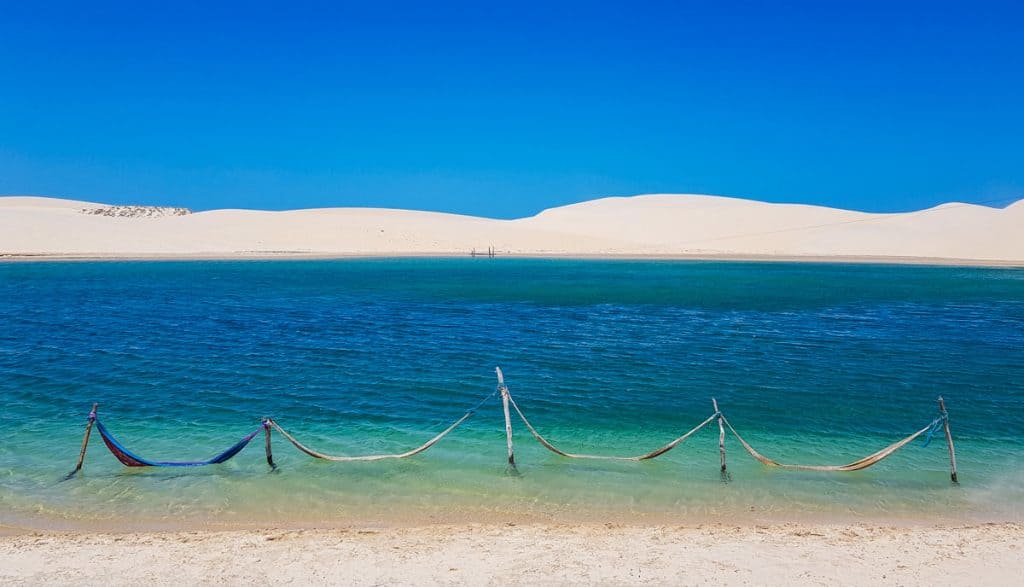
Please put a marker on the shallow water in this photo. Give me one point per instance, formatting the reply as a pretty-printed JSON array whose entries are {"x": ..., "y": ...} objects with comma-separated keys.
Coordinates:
[{"x": 813, "y": 363}]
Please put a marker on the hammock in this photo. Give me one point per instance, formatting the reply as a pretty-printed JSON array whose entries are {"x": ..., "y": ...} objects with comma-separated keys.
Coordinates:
[
  {"x": 643, "y": 457},
  {"x": 857, "y": 465},
  {"x": 130, "y": 459},
  {"x": 415, "y": 451}
]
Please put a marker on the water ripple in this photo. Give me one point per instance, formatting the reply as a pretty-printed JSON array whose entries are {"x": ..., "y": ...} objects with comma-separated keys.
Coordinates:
[{"x": 815, "y": 362}]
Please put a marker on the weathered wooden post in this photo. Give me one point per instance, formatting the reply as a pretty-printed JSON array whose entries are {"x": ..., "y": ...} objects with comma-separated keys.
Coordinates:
[
  {"x": 949, "y": 440},
  {"x": 266, "y": 431},
  {"x": 721, "y": 433},
  {"x": 85, "y": 441},
  {"x": 508, "y": 419}
]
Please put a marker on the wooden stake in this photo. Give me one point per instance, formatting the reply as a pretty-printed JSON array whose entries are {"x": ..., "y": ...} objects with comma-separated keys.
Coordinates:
[
  {"x": 85, "y": 441},
  {"x": 721, "y": 433},
  {"x": 949, "y": 440},
  {"x": 508, "y": 418},
  {"x": 270, "y": 455}
]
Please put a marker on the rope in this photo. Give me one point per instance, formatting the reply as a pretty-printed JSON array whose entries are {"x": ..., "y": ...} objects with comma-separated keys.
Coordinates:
[
  {"x": 857, "y": 465},
  {"x": 483, "y": 401},
  {"x": 643, "y": 457},
  {"x": 415, "y": 451},
  {"x": 131, "y": 459},
  {"x": 935, "y": 427}
]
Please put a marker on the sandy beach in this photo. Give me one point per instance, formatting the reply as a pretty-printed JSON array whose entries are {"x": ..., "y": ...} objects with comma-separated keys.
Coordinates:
[
  {"x": 648, "y": 226},
  {"x": 801, "y": 554}
]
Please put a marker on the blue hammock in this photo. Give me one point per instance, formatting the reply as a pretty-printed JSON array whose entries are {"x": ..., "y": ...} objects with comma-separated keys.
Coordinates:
[{"x": 130, "y": 459}]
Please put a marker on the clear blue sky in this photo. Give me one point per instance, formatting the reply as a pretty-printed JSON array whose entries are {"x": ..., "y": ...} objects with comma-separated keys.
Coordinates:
[{"x": 506, "y": 108}]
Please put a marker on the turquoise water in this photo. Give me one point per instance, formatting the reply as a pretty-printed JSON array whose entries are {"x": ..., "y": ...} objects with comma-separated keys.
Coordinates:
[{"x": 813, "y": 363}]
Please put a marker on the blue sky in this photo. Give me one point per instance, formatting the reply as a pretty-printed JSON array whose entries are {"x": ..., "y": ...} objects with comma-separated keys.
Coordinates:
[{"x": 503, "y": 109}]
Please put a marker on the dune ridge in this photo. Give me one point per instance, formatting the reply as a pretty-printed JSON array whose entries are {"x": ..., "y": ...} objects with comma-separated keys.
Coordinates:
[{"x": 648, "y": 225}]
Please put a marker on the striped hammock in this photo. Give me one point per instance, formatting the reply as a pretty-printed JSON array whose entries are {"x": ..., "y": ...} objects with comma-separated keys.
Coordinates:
[{"x": 130, "y": 459}]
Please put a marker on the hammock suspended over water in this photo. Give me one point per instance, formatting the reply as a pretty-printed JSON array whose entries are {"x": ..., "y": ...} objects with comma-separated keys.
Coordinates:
[{"x": 132, "y": 459}]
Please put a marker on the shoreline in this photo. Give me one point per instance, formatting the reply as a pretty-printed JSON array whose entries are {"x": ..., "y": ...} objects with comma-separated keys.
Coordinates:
[
  {"x": 311, "y": 256},
  {"x": 528, "y": 554},
  {"x": 15, "y": 523}
]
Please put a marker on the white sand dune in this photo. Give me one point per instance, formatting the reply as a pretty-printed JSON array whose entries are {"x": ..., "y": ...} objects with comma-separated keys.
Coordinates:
[{"x": 656, "y": 225}]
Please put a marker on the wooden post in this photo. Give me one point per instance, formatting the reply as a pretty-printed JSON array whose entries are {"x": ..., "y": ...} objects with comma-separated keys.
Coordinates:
[
  {"x": 508, "y": 419},
  {"x": 270, "y": 455},
  {"x": 85, "y": 441},
  {"x": 721, "y": 433},
  {"x": 949, "y": 440}
]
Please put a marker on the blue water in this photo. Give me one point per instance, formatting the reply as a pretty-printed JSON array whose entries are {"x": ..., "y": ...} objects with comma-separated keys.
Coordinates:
[{"x": 813, "y": 363}]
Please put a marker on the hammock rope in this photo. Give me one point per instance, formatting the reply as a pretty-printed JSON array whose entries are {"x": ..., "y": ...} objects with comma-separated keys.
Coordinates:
[
  {"x": 413, "y": 452},
  {"x": 857, "y": 465},
  {"x": 130, "y": 459},
  {"x": 319, "y": 455},
  {"x": 646, "y": 456}
]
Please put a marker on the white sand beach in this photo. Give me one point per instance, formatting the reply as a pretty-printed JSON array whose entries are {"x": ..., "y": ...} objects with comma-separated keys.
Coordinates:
[
  {"x": 721, "y": 554},
  {"x": 651, "y": 225}
]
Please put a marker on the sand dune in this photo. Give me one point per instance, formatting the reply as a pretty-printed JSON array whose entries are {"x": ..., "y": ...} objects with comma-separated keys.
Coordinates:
[{"x": 663, "y": 225}]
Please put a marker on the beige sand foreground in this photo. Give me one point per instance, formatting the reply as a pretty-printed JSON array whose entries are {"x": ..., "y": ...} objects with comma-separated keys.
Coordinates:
[
  {"x": 528, "y": 555},
  {"x": 653, "y": 225}
]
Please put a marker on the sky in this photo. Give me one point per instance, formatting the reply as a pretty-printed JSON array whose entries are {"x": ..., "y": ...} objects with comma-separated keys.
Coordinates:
[{"x": 503, "y": 109}]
